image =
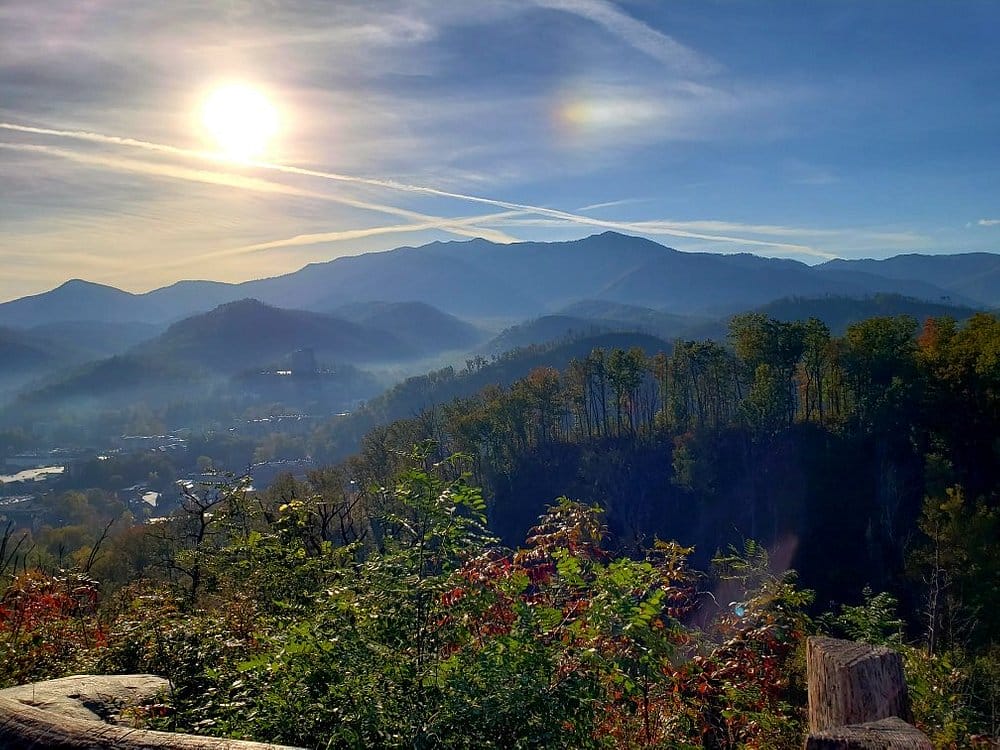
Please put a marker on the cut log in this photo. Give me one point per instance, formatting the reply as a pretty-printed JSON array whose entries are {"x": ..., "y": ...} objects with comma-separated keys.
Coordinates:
[
  {"x": 886, "y": 734},
  {"x": 853, "y": 683}
]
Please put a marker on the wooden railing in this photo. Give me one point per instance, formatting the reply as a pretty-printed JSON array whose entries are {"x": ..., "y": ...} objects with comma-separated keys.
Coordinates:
[{"x": 858, "y": 698}]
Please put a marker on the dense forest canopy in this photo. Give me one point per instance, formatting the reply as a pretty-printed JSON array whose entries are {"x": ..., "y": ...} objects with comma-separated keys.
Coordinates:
[{"x": 371, "y": 603}]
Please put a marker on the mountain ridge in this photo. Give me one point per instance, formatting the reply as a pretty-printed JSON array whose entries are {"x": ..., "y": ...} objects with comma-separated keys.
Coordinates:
[
  {"x": 249, "y": 333},
  {"x": 477, "y": 279}
]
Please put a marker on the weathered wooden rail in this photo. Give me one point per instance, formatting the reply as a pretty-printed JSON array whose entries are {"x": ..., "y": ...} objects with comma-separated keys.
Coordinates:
[
  {"x": 858, "y": 698},
  {"x": 72, "y": 714}
]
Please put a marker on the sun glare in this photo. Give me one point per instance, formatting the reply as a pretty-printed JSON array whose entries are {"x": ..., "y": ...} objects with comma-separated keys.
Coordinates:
[{"x": 240, "y": 120}]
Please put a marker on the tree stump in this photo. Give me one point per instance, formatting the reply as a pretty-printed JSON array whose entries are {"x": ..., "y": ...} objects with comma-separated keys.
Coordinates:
[
  {"x": 853, "y": 683},
  {"x": 886, "y": 734},
  {"x": 857, "y": 698}
]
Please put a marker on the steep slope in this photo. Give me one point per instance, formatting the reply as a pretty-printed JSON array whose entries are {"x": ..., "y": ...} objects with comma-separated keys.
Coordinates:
[
  {"x": 548, "y": 329},
  {"x": 79, "y": 300},
  {"x": 23, "y": 358},
  {"x": 646, "y": 319},
  {"x": 76, "y": 300},
  {"x": 408, "y": 398},
  {"x": 477, "y": 279},
  {"x": 974, "y": 276},
  {"x": 705, "y": 282},
  {"x": 840, "y": 312},
  {"x": 21, "y": 350},
  {"x": 556, "y": 273},
  {"x": 248, "y": 333},
  {"x": 35, "y": 354},
  {"x": 94, "y": 339},
  {"x": 404, "y": 274},
  {"x": 111, "y": 383},
  {"x": 186, "y": 298},
  {"x": 41, "y": 352},
  {"x": 418, "y": 324}
]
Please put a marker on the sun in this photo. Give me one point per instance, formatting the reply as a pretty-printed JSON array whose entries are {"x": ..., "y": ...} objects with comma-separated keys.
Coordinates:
[{"x": 241, "y": 121}]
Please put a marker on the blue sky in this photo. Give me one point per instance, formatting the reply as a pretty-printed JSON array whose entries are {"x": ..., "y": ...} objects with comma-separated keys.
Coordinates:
[{"x": 794, "y": 129}]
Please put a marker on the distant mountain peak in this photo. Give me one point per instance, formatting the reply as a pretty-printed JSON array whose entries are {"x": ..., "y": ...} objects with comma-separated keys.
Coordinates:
[
  {"x": 612, "y": 234},
  {"x": 247, "y": 303},
  {"x": 498, "y": 284},
  {"x": 83, "y": 284}
]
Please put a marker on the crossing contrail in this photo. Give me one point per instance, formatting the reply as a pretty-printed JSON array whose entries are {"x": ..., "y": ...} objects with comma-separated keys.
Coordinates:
[
  {"x": 646, "y": 227},
  {"x": 353, "y": 234},
  {"x": 464, "y": 227}
]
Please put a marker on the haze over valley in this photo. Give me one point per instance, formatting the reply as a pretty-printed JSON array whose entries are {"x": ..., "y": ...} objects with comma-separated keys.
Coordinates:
[
  {"x": 369, "y": 320},
  {"x": 557, "y": 374}
]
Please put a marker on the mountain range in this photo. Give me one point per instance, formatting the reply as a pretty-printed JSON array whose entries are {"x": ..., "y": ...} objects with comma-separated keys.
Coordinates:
[
  {"x": 481, "y": 280},
  {"x": 401, "y": 312}
]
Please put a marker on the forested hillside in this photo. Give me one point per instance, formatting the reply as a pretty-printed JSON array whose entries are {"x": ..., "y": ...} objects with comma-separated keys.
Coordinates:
[
  {"x": 867, "y": 462},
  {"x": 801, "y": 440},
  {"x": 500, "y": 374}
]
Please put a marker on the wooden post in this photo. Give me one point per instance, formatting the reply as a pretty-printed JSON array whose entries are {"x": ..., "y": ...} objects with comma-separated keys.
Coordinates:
[{"x": 857, "y": 698}]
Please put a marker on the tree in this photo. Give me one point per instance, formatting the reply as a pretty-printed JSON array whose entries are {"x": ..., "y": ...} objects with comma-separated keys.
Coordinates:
[
  {"x": 186, "y": 542},
  {"x": 880, "y": 364},
  {"x": 959, "y": 563},
  {"x": 816, "y": 359},
  {"x": 768, "y": 352}
]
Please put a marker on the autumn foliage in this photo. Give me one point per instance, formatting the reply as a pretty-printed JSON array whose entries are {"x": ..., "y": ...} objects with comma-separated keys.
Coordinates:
[{"x": 46, "y": 623}]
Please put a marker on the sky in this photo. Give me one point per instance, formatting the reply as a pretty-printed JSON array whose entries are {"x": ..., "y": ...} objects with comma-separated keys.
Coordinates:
[{"x": 806, "y": 130}]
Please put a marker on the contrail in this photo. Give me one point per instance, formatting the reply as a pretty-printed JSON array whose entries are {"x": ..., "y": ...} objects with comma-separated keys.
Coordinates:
[
  {"x": 84, "y": 135},
  {"x": 352, "y": 234},
  {"x": 636, "y": 34},
  {"x": 652, "y": 227},
  {"x": 610, "y": 204},
  {"x": 462, "y": 228}
]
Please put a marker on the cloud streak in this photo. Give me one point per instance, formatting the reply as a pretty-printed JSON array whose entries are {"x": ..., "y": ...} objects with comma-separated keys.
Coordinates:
[
  {"x": 988, "y": 222},
  {"x": 612, "y": 204},
  {"x": 658, "y": 228},
  {"x": 319, "y": 238},
  {"x": 893, "y": 238},
  {"x": 636, "y": 34},
  {"x": 462, "y": 228}
]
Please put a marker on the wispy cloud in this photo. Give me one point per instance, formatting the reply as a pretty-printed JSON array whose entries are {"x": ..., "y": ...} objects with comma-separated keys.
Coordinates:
[
  {"x": 155, "y": 169},
  {"x": 872, "y": 236},
  {"x": 809, "y": 241},
  {"x": 637, "y": 34},
  {"x": 612, "y": 204},
  {"x": 656, "y": 228},
  {"x": 321, "y": 238},
  {"x": 673, "y": 229},
  {"x": 172, "y": 171},
  {"x": 988, "y": 222}
]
